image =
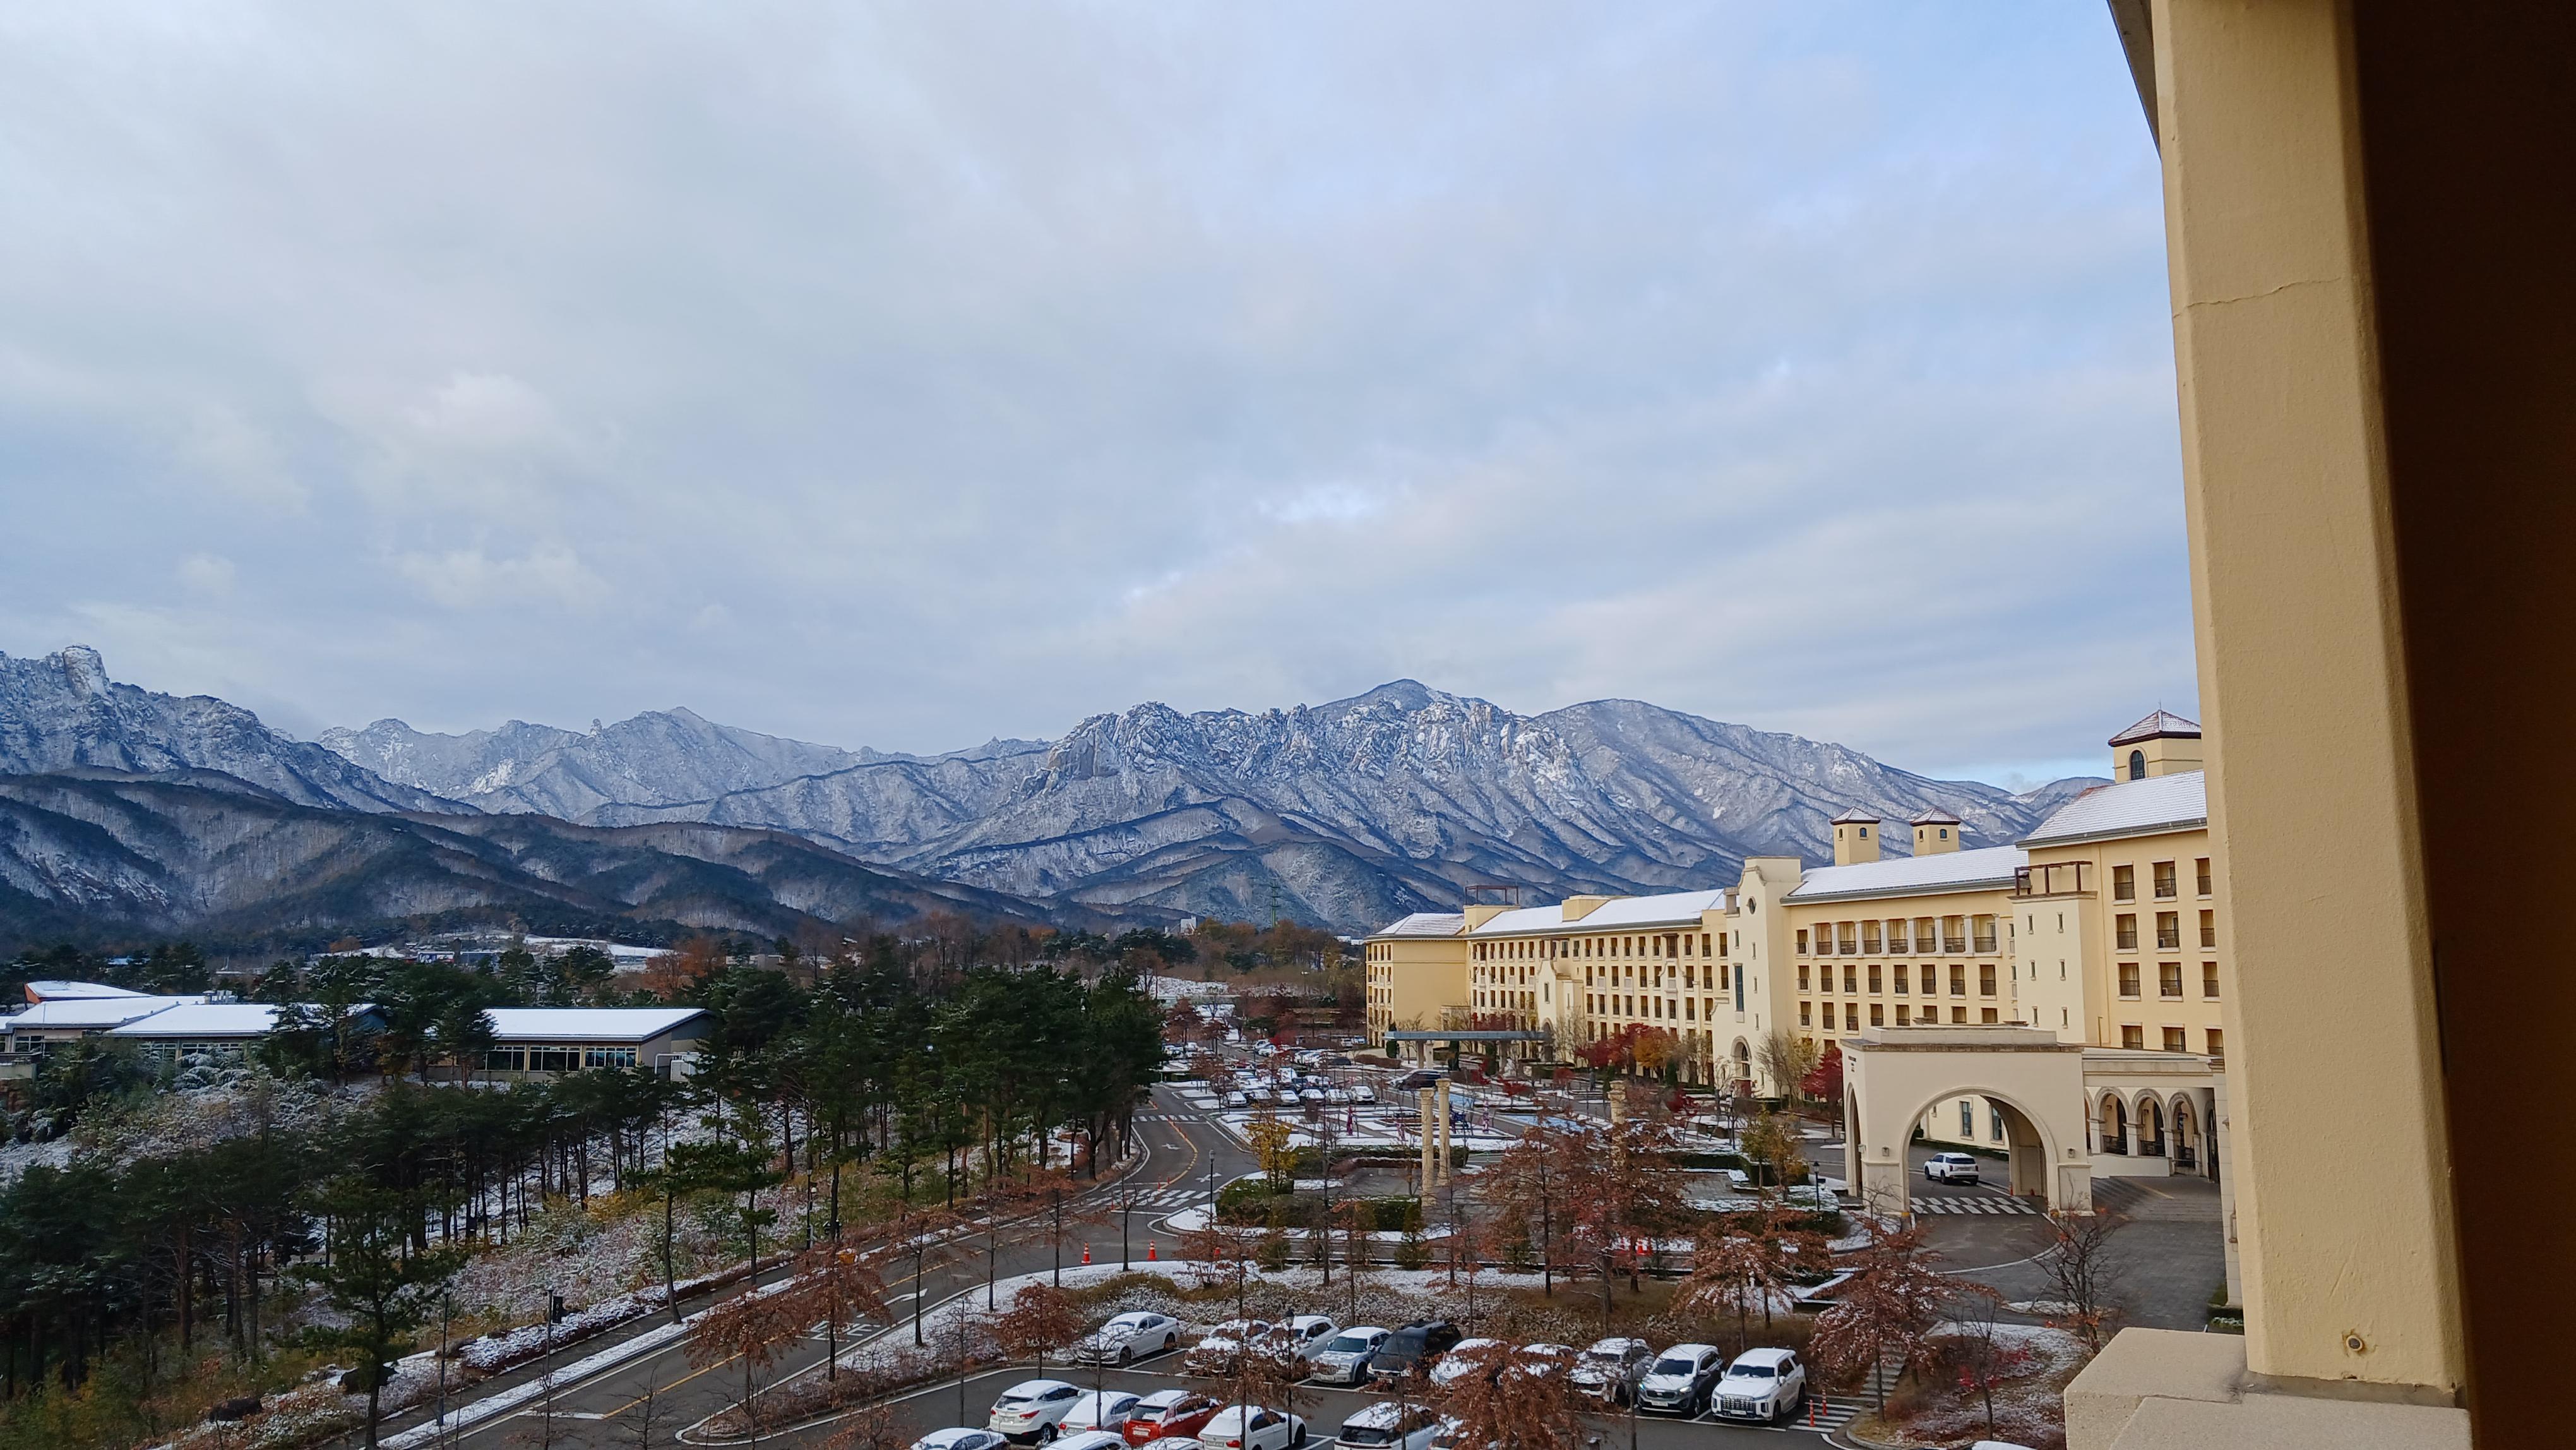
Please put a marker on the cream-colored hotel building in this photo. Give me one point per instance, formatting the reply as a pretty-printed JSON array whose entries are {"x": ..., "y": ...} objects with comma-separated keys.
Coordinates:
[{"x": 2103, "y": 927}]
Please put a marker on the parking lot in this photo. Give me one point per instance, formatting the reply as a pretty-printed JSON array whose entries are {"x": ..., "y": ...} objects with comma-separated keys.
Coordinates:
[{"x": 1323, "y": 1409}]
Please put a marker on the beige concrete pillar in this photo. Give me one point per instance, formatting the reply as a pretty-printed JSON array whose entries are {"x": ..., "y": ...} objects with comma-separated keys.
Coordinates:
[
  {"x": 1430, "y": 1175},
  {"x": 1441, "y": 1091},
  {"x": 2341, "y": 1158}
]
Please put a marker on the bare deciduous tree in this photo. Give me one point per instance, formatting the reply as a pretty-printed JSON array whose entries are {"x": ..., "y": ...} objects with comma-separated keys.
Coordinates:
[{"x": 2084, "y": 1269}]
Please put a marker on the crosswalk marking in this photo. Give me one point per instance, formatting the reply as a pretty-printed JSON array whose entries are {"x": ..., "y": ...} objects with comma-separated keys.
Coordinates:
[{"x": 1972, "y": 1205}]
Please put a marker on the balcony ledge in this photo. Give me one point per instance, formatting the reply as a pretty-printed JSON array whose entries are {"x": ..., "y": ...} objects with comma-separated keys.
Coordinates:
[{"x": 2151, "y": 1389}]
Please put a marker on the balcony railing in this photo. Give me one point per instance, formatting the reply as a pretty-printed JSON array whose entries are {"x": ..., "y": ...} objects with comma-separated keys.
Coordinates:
[
  {"x": 1985, "y": 946},
  {"x": 1954, "y": 945},
  {"x": 2127, "y": 941},
  {"x": 2209, "y": 938},
  {"x": 2170, "y": 941},
  {"x": 1896, "y": 946}
]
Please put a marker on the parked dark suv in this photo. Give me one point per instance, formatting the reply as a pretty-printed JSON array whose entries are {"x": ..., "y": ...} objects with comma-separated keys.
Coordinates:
[
  {"x": 1412, "y": 1347},
  {"x": 1420, "y": 1077}
]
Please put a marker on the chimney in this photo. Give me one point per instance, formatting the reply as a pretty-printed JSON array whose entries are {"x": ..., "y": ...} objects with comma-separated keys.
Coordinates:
[
  {"x": 1855, "y": 837},
  {"x": 1480, "y": 912},
  {"x": 1935, "y": 831},
  {"x": 1576, "y": 908}
]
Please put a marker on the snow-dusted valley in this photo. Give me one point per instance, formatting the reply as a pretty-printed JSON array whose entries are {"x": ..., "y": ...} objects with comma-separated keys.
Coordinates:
[{"x": 1342, "y": 814}]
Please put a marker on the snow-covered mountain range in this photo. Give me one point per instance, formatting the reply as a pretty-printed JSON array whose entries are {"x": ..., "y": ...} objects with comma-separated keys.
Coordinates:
[{"x": 1346, "y": 814}]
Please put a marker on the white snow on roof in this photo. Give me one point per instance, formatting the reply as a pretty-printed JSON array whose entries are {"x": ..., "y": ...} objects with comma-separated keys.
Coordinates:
[
  {"x": 1425, "y": 923},
  {"x": 205, "y": 1019},
  {"x": 586, "y": 1024},
  {"x": 75, "y": 991},
  {"x": 1671, "y": 908},
  {"x": 91, "y": 1012},
  {"x": 2177, "y": 802},
  {"x": 1913, "y": 875}
]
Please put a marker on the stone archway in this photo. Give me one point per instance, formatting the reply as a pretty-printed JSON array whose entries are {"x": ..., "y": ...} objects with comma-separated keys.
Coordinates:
[
  {"x": 2150, "y": 1126},
  {"x": 2112, "y": 1122},
  {"x": 2187, "y": 1150},
  {"x": 1893, "y": 1076}
]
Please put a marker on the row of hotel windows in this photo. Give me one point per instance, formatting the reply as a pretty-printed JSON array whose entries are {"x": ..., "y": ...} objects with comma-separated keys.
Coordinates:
[
  {"x": 1824, "y": 1016},
  {"x": 1625, "y": 1005},
  {"x": 2124, "y": 880},
  {"x": 1863, "y": 938},
  {"x": 1669, "y": 944},
  {"x": 1931, "y": 979},
  {"x": 556, "y": 1059},
  {"x": 2124, "y": 930},
  {"x": 1691, "y": 974},
  {"x": 2169, "y": 980}
]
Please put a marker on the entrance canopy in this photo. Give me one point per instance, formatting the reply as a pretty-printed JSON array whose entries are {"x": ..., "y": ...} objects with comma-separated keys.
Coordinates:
[{"x": 1892, "y": 1076}]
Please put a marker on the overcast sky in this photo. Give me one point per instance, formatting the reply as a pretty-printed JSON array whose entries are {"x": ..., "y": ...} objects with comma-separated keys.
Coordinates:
[{"x": 906, "y": 375}]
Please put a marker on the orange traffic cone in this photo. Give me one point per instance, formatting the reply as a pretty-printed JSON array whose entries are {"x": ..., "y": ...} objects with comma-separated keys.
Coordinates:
[
  {"x": 1086, "y": 1253},
  {"x": 1149, "y": 1249}
]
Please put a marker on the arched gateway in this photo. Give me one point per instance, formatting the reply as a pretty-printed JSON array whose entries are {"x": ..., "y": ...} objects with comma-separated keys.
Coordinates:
[{"x": 1893, "y": 1075}]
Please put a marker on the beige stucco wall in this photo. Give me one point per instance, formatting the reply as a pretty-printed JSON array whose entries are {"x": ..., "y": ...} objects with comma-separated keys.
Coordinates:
[{"x": 2346, "y": 1236}]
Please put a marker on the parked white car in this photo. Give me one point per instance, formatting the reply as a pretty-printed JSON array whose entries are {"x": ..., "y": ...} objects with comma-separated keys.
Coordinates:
[
  {"x": 959, "y": 1437},
  {"x": 1950, "y": 1168},
  {"x": 1344, "y": 1358},
  {"x": 1462, "y": 1360},
  {"x": 1031, "y": 1409},
  {"x": 1131, "y": 1335},
  {"x": 1100, "y": 1410},
  {"x": 1304, "y": 1331},
  {"x": 1610, "y": 1369},
  {"x": 1762, "y": 1384},
  {"x": 1678, "y": 1382},
  {"x": 1389, "y": 1425},
  {"x": 1250, "y": 1427}
]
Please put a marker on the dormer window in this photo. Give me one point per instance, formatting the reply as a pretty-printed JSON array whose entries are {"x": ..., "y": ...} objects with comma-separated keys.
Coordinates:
[
  {"x": 2137, "y": 765},
  {"x": 1945, "y": 833}
]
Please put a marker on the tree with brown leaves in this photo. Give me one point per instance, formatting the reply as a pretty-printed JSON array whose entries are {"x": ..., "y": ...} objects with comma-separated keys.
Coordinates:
[
  {"x": 1041, "y": 1320},
  {"x": 836, "y": 1283},
  {"x": 1883, "y": 1311},
  {"x": 1750, "y": 1263},
  {"x": 1505, "y": 1406},
  {"x": 755, "y": 1327}
]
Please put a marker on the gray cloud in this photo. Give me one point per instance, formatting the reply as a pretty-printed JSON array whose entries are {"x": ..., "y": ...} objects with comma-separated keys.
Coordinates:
[{"x": 903, "y": 375}]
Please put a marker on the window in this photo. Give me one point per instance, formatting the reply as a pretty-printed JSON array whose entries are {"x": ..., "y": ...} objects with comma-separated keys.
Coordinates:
[
  {"x": 1986, "y": 1014},
  {"x": 1869, "y": 938},
  {"x": 1900, "y": 981},
  {"x": 2217, "y": 1043},
  {"x": 1901, "y": 1011},
  {"x": 1986, "y": 979},
  {"x": 2137, "y": 765},
  {"x": 1851, "y": 1017},
  {"x": 1802, "y": 1016},
  {"x": 2124, "y": 932},
  {"x": 1967, "y": 1119},
  {"x": 1802, "y": 977},
  {"x": 1995, "y": 1115},
  {"x": 1958, "y": 981},
  {"x": 1959, "y": 1015},
  {"x": 2200, "y": 868},
  {"x": 2164, "y": 875},
  {"x": 2124, "y": 883},
  {"x": 1876, "y": 984},
  {"x": 2168, "y": 930},
  {"x": 1877, "y": 1015},
  {"x": 2169, "y": 981},
  {"x": 2133, "y": 1036},
  {"x": 2209, "y": 980},
  {"x": 2209, "y": 931},
  {"x": 2128, "y": 979},
  {"x": 2173, "y": 1039},
  {"x": 1802, "y": 941},
  {"x": 1851, "y": 980}
]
